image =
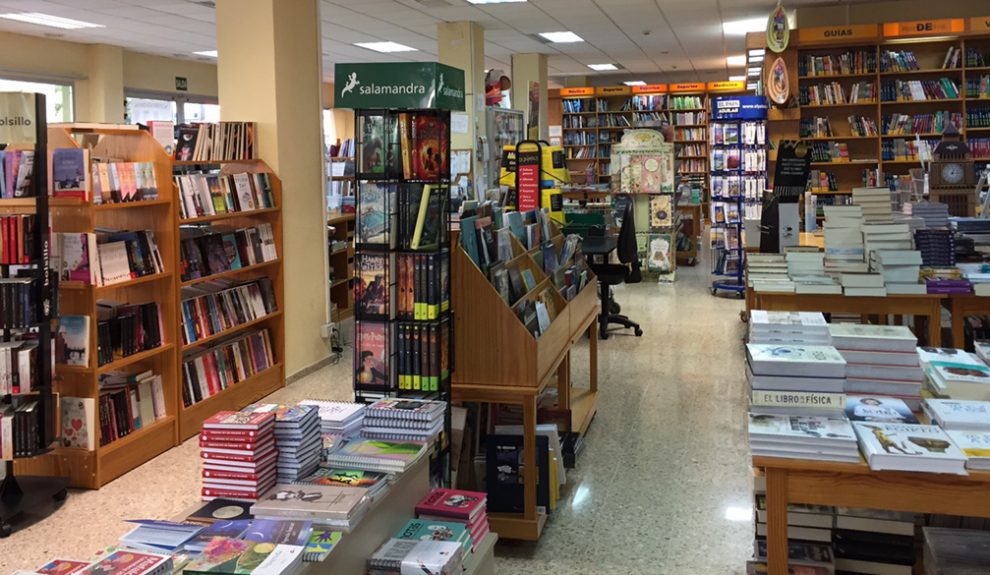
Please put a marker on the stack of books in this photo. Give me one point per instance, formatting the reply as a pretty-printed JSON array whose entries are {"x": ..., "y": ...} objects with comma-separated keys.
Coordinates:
[
  {"x": 468, "y": 508},
  {"x": 397, "y": 556},
  {"x": 372, "y": 482},
  {"x": 297, "y": 438},
  {"x": 376, "y": 455},
  {"x": 900, "y": 270},
  {"x": 793, "y": 327},
  {"x": 807, "y": 271},
  {"x": 978, "y": 275},
  {"x": 844, "y": 250},
  {"x": 873, "y": 541},
  {"x": 937, "y": 247},
  {"x": 436, "y": 530},
  {"x": 239, "y": 455},
  {"x": 948, "y": 286},
  {"x": 955, "y": 374},
  {"x": 404, "y": 420},
  {"x": 338, "y": 417},
  {"x": 766, "y": 267},
  {"x": 955, "y": 414},
  {"x": 337, "y": 507},
  {"x": 888, "y": 236},
  {"x": 956, "y": 550},
  {"x": 875, "y": 203},
  {"x": 880, "y": 359},
  {"x": 863, "y": 284},
  {"x": 803, "y": 437},
  {"x": 795, "y": 368},
  {"x": 935, "y": 214}
]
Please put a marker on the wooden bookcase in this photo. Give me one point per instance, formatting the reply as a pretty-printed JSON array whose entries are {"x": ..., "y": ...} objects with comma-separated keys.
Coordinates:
[
  {"x": 190, "y": 419},
  {"x": 499, "y": 361},
  {"x": 866, "y": 152},
  {"x": 341, "y": 264}
]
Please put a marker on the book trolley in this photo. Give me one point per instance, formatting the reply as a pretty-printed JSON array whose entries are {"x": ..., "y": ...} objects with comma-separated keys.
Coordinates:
[
  {"x": 33, "y": 418},
  {"x": 499, "y": 361}
]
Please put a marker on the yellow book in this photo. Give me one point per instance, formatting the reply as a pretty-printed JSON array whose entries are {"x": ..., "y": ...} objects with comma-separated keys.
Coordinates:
[{"x": 424, "y": 213}]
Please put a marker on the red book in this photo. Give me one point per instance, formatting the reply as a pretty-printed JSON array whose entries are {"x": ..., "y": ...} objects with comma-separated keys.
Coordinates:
[
  {"x": 263, "y": 448},
  {"x": 234, "y": 435},
  {"x": 248, "y": 475},
  {"x": 455, "y": 503},
  {"x": 211, "y": 492},
  {"x": 127, "y": 562},
  {"x": 246, "y": 457},
  {"x": 228, "y": 442},
  {"x": 240, "y": 420}
]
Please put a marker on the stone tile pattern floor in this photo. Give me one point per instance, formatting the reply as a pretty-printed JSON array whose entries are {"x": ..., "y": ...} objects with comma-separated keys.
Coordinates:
[{"x": 666, "y": 461}]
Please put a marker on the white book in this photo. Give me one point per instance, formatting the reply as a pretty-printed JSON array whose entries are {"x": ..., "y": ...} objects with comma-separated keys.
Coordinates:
[
  {"x": 862, "y": 280},
  {"x": 811, "y": 360},
  {"x": 961, "y": 380},
  {"x": 956, "y": 414},
  {"x": 114, "y": 265},
  {"x": 865, "y": 291},
  {"x": 788, "y": 383},
  {"x": 853, "y": 336},
  {"x": 821, "y": 289},
  {"x": 909, "y": 447},
  {"x": 975, "y": 445},
  {"x": 870, "y": 371},
  {"x": 798, "y": 429},
  {"x": 930, "y": 354},
  {"x": 776, "y": 319},
  {"x": 865, "y": 385},
  {"x": 906, "y": 289},
  {"x": 878, "y": 408},
  {"x": 884, "y": 358}
]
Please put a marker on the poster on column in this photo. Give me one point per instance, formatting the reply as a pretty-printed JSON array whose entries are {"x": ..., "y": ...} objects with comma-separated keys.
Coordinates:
[
  {"x": 17, "y": 119},
  {"x": 528, "y": 163}
]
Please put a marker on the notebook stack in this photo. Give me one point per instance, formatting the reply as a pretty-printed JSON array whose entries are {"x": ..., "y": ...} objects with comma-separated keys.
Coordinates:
[
  {"x": 404, "y": 420},
  {"x": 466, "y": 507},
  {"x": 803, "y": 437},
  {"x": 376, "y": 454},
  {"x": 795, "y": 368},
  {"x": 880, "y": 360},
  {"x": 875, "y": 203},
  {"x": 879, "y": 237},
  {"x": 844, "y": 240},
  {"x": 337, "y": 417},
  {"x": 239, "y": 455},
  {"x": 807, "y": 271},
  {"x": 766, "y": 267},
  {"x": 978, "y": 275},
  {"x": 934, "y": 214},
  {"x": 937, "y": 247},
  {"x": 863, "y": 284},
  {"x": 900, "y": 270},
  {"x": 955, "y": 374},
  {"x": 791, "y": 327},
  {"x": 297, "y": 438}
]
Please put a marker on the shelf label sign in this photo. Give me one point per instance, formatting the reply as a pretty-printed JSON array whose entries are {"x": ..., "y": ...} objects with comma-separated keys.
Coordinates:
[
  {"x": 399, "y": 85},
  {"x": 924, "y": 27},
  {"x": 688, "y": 87},
  {"x": 839, "y": 33},
  {"x": 734, "y": 86},
  {"x": 576, "y": 92},
  {"x": 17, "y": 118},
  {"x": 979, "y": 24},
  {"x": 612, "y": 91},
  {"x": 739, "y": 108},
  {"x": 528, "y": 179},
  {"x": 650, "y": 89}
]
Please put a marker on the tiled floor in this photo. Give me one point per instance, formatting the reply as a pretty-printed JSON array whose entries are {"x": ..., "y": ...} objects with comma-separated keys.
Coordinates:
[{"x": 663, "y": 486}]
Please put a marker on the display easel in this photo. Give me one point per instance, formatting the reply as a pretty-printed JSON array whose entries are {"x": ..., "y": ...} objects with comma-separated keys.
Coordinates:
[{"x": 24, "y": 497}]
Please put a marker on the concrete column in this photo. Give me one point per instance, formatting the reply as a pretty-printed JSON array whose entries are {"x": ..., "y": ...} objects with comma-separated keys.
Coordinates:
[
  {"x": 105, "y": 84},
  {"x": 462, "y": 45},
  {"x": 269, "y": 72},
  {"x": 526, "y": 69}
]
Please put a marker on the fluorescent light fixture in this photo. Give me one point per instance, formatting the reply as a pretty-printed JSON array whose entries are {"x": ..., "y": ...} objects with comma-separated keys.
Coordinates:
[
  {"x": 49, "y": 20},
  {"x": 385, "y": 47},
  {"x": 494, "y": 1},
  {"x": 635, "y": 83},
  {"x": 561, "y": 37},
  {"x": 737, "y": 78},
  {"x": 738, "y": 60},
  {"x": 603, "y": 67},
  {"x": 744, "y": 26},
  {"x": 210, "y": 53}
]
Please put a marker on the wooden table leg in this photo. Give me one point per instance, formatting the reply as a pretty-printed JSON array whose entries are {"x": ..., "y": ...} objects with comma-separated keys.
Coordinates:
[
  {"x": 776, "y": 521},
  {"x": 564, "y": 385},
  {"x": 958, "y": 323},
  {"x": 935, "y": 324},
  {"x": 529, "y": 458},
  {"x": 898, "y": 319},
  {"x": 593, "y": 357}
]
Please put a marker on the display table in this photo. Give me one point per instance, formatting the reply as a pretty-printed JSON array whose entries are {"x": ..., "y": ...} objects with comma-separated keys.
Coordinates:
[
  {"x": 928, "y": 306},
  {"x": 962, "y": 305},
  {"x": 856, "y": 485}
]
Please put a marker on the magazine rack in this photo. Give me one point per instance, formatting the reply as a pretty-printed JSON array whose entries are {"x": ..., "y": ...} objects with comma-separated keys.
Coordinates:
[
  {"x": 20, "y": 495},
  {"x": 499, "y": 361}
]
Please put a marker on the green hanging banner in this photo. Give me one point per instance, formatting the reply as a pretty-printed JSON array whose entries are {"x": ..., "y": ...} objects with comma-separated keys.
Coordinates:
[{"x": 399, "y": 85}]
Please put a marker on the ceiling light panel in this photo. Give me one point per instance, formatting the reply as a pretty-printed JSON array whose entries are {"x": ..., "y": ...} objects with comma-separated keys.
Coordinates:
[
  {"x": 385, "y": 47},
  {"x": 49, "y": 20},
  {"x": 561, "y": 37},
  {"x": 603, "y": 67}
]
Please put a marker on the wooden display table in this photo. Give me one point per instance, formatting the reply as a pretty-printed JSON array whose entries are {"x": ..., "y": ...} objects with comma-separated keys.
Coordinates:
[
  {"x": 928, "y": 306},
  {"x": 856, "y": 485},
  {"x": 962, "y": 305}
]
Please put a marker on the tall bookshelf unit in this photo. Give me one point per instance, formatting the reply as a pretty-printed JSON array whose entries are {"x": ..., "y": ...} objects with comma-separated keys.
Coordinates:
[
  {"x": 860, "y": 142},
  {"x": 21, "y": 495},
  {"x": 93, "y": 468},
  {"x": 340, "y": 250},
  {"x": 191, "y": 414},
  {"x": 687, "y": 108}
]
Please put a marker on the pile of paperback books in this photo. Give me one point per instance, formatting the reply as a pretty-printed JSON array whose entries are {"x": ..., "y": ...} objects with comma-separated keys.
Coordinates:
[
  {"x": 239, "y": 455},
  {"x": 297, "y": 438}
]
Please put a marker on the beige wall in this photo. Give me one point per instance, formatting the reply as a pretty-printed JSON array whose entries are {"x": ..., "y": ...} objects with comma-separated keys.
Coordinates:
[
  {"x": 157, "y": 74},
  {"x": 891, "y": 11}
]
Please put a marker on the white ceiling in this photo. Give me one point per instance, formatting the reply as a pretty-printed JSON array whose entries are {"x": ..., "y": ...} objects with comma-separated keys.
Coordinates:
[{"x": 648, "y": 38}]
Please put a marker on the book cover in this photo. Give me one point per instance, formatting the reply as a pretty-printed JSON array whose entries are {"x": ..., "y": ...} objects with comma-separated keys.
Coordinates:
[
  {"x": 310, "y": 501},
  {"x": 78, "y": 428},
  {"x": 372, "y": 354},
  {"x": 70, "y": 172},
  {"x": 660, "y": 255},
  {"x": 346, "y": 477},
  {"x": 503, "y": 472},
  {"x": 321, "y": 542},
  {"x": 278, "y": 532},
  {"x": 974, "y": 444},
  {"x": 222, "y": 528},
  {"x": 72, "y": 341},
  {"x": 798, "y": 428},
  {"x": 63, "y": 567},
  {"x": 453, "y": 503},
  {"x": 878, "y": 408},
  {"x": 430, "y": 147},
  {"x": 126, "y": 562},
  {"x": 958, "y": 413},
  {"x": 433, "y": 558},
  {"x": 405, "y": 452},
  {"x": 661, "y": 215},
  {"x": 820, "y": 361},
  {"x": 185, "y": 144},
  {"x": 371, "y": 284},
  {"x": 239, "y": 420},
  {"x": 373, "y": 214},
  {"x": 221, "y": 509},
  {"x": 908, "y": 447},
  {"x": 951, "y": 372},
  {"x": 373, "y": 152},
  {"x": 432, "y": 530},
  {"x": 429, "y": 219},
  {"x": 76, "y": 257}
]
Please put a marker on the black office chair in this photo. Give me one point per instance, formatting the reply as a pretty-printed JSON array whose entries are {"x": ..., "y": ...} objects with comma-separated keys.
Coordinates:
[{"x": 614, "y": 274}]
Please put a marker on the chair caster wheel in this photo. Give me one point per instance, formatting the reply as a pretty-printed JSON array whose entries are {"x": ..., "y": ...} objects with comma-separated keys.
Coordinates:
[
  {"x": 5, "y": 530},
  {"x": 639, "y": 333}
]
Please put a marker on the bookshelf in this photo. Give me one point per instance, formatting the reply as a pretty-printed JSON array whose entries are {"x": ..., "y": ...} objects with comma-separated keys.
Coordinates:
[
  {"x": 488, "y": 333},
  {"x": 340, "y": 249},
  {"x": 21, "y": 495},
  {"x": 264, "y": 377},
  {"x": 872, "y": 139}
]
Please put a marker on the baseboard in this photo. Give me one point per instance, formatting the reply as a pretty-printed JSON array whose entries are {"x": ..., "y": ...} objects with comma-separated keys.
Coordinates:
[{"x": 290, "y": 379}]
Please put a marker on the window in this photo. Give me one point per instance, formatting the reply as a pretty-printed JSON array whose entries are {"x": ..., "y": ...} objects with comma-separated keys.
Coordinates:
[
  {"x": 196, "y": 112},
  {"x": 142, "y": 110},
  {"x": 58, "y": 97}
]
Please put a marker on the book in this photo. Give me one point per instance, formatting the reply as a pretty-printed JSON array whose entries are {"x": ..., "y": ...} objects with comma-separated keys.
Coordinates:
[
  {"x": 239, "y": 420},
  {"x": 434, "y": 558},
  {"x": 431, "y": 530},
  {"x": 430, "y": 153},
  {"x": 801, "y": 429},
  {"x": 320, "y": 544},
  {"x": 960, "y": 380},
  {"x": 895, "y": 338},
  {"x": 318, "y": 503},
  {"x": 72, "y": 343},
  {"x": 958, "y": 414},
  {"x": 878, "y": 408},
  {"x": 123, "y": 562},
  {"x": 224, "y": 555},
  {"x": 63, "y": 567},
  {"x": 78, "y": 426},
  {"x": 221, "y": 510},
  {"x": 347, "y": 478},
  {"x": 503, "y": 467},
  {"x": 70, "y": 173},
  {"x": 818, "y": 361},
  {"x": 377, "y": 455},
  {"x": 372, "y": 354},
  {"x": 454, "y": 503},
  {"x": 909, "y": 447},
  {"x": 429, "y": 218},
  {"x": 975, "y": 445},
  {"x": 371, "y": 285},
  {"x": 389, "y": 556}
]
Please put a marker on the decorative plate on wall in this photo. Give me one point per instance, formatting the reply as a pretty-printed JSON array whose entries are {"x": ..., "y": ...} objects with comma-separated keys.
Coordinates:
[
  {"x": 778, "y": 30},
  {"x": 778, "y": 84}
]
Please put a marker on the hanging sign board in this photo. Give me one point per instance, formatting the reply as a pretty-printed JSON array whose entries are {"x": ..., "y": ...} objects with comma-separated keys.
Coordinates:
[
  {"x": 735, "y": 86},
  {"x": 613, "y": 91},
  {"x": 923, "y": 27},
  {"x": 576, "y": 92},
  {"x": 528, "y": 160},
  {"x": 650, "y": 89},
  {"x": 688, "y": 87},
  {"x": 181, "y": 84},
  {"x": 399, "y": 85},
  {"x": 17, "y": 118},
  {"x": 979, "y": 24},
  {"x": 739, "y": 108},
  {"x": 839, "y": 33}
]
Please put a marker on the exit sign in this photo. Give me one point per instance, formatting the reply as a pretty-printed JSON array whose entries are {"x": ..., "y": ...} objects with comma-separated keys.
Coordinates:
[{"x": 181, "y": 84}]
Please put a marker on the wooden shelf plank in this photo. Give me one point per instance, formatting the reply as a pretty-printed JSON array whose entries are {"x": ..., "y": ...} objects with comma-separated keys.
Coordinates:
[
  {"x": 229, "y": 331},
  {"x": 123, "y": 362},
  {"x": 230, "y": 215},
  {"x": 212, "y": 162},
  {"x": 231, "y": 273},
  {"x": 136, "y": 436},
  {"x": 134, "y": 282},
  {"x": 131, "y": 205}
]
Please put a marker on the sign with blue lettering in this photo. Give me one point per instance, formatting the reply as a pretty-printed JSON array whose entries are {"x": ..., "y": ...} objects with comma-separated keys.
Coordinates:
[{"x": 739, "y": 108}]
